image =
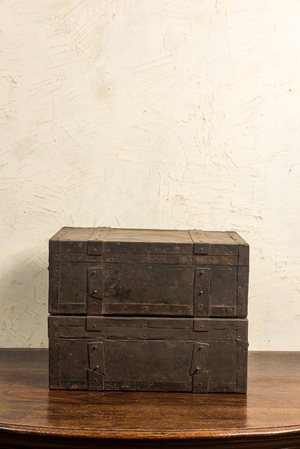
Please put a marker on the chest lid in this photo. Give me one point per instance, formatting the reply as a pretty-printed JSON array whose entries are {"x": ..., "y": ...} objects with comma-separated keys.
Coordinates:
[{"x": 104, "y": 241}]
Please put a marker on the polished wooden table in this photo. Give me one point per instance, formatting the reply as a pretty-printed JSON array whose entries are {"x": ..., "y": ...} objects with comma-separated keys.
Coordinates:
[{"x": 31, "y": 416}]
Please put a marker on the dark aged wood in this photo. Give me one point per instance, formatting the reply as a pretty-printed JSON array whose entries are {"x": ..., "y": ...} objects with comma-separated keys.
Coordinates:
[
  {"x": 148, "y": 354},
  {"x": 104, "y": 271},
  {"x": 33, "y": 417}
]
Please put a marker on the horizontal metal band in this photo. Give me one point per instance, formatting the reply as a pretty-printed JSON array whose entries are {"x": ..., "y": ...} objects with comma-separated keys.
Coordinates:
[
  {"x": 147, "y": 386},
  {"x": 222, "y": 311},
  {"x": 147, "y": 309},
  {"x": 151, "y": 258},
  {"x": 72, "y": 308},
  {"x": 221, "y": 387}
]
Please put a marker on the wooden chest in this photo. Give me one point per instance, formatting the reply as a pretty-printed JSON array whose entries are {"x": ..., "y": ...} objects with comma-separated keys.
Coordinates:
[
  {"x": 148, "y": 310},
  {"x": 149, "y": 354},
  {"x": 107, "y": 271}
]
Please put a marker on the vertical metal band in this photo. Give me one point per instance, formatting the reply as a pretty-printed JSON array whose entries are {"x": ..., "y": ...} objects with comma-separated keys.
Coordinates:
[
  {"x": 201, "y": 292},
  {"x": 242, "y": 291},
  {"x": 96, "y": 369},
  {"x": 201, "y": 243},
  {"x": 95, "y": 242}
]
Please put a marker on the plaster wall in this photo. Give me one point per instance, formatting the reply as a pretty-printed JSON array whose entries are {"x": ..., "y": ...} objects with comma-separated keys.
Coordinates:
[{"x": 172, "y": 114}]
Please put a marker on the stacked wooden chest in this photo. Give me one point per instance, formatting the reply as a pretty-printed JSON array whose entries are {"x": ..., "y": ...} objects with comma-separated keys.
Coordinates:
[{"x": 148, "y": 310}]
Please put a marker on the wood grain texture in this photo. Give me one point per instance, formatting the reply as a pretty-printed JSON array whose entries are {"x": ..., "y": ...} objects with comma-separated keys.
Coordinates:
[{"x": 31, "y": 416}]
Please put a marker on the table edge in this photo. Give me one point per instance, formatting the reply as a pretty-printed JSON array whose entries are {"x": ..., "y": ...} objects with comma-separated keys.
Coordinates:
[{"x": 245, "y": 434}]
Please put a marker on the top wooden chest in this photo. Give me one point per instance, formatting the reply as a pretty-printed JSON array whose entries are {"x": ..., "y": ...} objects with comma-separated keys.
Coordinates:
[{"x": 105, "y": 271}]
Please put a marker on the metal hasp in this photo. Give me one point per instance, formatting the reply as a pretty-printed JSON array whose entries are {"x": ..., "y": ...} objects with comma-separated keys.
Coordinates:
[{"x": 134, "y": 272}]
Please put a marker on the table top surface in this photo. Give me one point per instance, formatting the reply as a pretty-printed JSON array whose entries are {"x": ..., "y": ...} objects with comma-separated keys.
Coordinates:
[{"x": 270, "y": 409}]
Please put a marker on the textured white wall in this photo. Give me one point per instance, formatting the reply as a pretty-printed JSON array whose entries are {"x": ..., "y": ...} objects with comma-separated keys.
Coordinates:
[{"x": 152, "y": 114}]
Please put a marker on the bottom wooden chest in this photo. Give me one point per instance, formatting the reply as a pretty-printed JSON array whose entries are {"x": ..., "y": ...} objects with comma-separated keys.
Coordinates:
[{"x": 148, "y": 354}]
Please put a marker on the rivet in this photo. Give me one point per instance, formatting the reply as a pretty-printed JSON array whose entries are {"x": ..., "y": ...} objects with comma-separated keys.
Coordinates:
[
  {"x": 201, "y": 326},
  {"x": 68, "y": 266},
  {"x": 95, "y": 291},
  {"x": 240, "y": 288},
  {"x": 228, "y": 336},
  {"x": 230, "y": 269},
  {"x": 200, "y": 347},
  {"x": 200, "y": 385},
  {"x": 111, "y": 258},
  {"x": 97, "y": 366},
  {"x": 201, "y": 249},
  {"x": 240, "y": 261},
  {"x": 230, "y": 260},
  {"x": 94, "y": 347},
  {"x": 201, "y": 272},
  {"x": 94, "y": 303},
  {"x": 94, "y": 325},
  {"x": 149, "y": 268},
  {"x": 94, "y": 272},
  {"x": 190, "y": 260},
  {"x": 201, "y": 305},
  {"x": 201, "y": 293},
  {"x": 189, "y": 308}
]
